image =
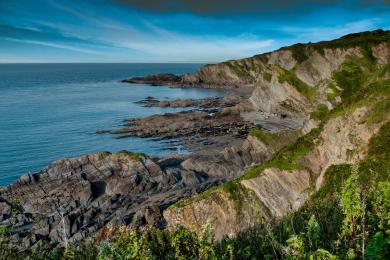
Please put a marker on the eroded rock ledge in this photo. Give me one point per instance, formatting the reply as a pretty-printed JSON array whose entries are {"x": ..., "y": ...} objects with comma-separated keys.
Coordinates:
[
  {"x": 205, "y": 103},
  {"x": 72, "y": 199}
]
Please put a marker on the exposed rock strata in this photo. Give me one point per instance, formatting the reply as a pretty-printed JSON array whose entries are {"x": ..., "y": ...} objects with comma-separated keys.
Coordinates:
[
  {"x": 277, "y": 192},
  {"x": 72, "y": 199},
  {"x": 272, "y": 194},
  {"x": 205, "y": 103},
  {"x": 155, "y": 80}
]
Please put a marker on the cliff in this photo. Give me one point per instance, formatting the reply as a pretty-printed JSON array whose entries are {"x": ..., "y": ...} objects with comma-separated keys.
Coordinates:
[{"x": 343, "y": 94}]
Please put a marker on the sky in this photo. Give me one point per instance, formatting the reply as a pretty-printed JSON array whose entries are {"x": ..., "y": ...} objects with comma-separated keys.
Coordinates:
[{"x": 204, "y": 31}]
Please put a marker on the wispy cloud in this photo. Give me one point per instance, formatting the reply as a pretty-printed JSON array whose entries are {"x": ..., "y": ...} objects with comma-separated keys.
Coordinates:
[
  {"x": 52, "y": 45},
  {"x": 320, "y": 32},
  {"x": 163, "y": 44}
]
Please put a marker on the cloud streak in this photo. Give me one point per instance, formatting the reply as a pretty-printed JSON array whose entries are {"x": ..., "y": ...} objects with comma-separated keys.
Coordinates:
[
  {"x": 52, "y": 45},
  {"x": 331, "y": 32}
]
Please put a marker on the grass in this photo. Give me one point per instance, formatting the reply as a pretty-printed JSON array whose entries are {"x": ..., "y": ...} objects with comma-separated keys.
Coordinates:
[
  {"x": 362, "y": 83},
  {"x": 331, "y": 96},
  {"x": 238, "y": 69},
  {"x": 380, "y": 111},
  {"x": 132, "y": 155},
  {"x": 350, "y": 78},
  {"x": 375, "y": 166},
  {"x": 321, "y": 112},
  {"x": 288, "y": 158},
  {"x": 267, "y": 76},
  {"x": 299, "y": 52},
  {"x": 364, "y": 40},
  {"x": 368, "y": 95},
  {"x": 385, "y": 70},
  {"x": 267, "y": 138},
  {"x": 379, "y": 146},
  {"x": 236, "y": 192},
  {"x": 304, "y": 89},
  {"x": 262, "y": 57}
]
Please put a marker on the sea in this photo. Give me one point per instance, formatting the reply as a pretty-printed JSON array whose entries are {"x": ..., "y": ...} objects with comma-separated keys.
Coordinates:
[{"x": 50, "y": 112}]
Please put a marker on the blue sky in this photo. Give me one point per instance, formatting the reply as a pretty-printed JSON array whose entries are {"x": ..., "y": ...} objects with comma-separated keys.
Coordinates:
[{"x": 173, "y": 30}]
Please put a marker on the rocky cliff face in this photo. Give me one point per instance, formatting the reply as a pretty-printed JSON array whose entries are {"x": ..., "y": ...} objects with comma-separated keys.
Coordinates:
[
  {"x": 283, "y": 184},
  {"x": 276, "y": 189},
  {"x": 315, "y": 105}
]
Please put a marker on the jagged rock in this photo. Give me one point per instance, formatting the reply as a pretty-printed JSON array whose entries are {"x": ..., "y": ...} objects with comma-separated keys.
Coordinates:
[
  {"x": 74, "y": 198},
  {"x": 156, "y": 80},
  {"x": 228, "y": 101}
]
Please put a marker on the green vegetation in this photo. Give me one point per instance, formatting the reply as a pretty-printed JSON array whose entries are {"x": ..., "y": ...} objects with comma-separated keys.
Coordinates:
[
  {"x": 239, "y": 69},
  {"x": 300, "y": 86},
  {"x": 385, "y": 71},
  {"x": 255, "y": 67},
  {"x": 374, "y": 94},
  {"x": 262, "y": 57},
  {"x": 350, "y": 78},
  {"x": 380, "y": 111},
  {"x": 299, "y": 52},
  {"x": 267, "y": 138},
  {"x": 133, "y": 155},
  {"x": 267, "y": 76},
  {"x": 236, "y": 192},
  {"x": 321, "y": 112},
  {"x": 287, "y": 158},
  {"x": 368, "y": 95},
  {"x": 288, "y": 105},
  {"x": 362, "y": 83},
  {"x": 334, "y": 92},
  {"x": 364, "y": 40}
]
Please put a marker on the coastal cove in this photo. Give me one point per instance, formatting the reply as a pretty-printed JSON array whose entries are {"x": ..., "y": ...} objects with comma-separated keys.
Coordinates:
[{"x": 52, "y": 111}]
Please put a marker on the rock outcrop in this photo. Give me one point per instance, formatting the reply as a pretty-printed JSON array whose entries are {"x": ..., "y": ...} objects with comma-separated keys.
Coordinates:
[
  {"x": 206, "y": 103},
  {"x": 72, "y": 199}
]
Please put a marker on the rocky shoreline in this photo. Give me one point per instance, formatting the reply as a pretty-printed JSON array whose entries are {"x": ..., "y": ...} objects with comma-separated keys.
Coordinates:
[
  {"x": 72, "y": 199},
  {"x": 205, "y": 124},
  {"x": 193, "y": 80},
  {"x": 205, "y": 103}
]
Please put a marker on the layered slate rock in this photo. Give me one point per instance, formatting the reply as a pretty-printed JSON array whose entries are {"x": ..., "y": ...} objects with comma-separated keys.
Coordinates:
[{"x": 72, "y": 199}]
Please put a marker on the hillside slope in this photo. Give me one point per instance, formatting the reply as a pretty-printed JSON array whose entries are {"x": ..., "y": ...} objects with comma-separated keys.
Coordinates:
[{"x": 339, "y": 91}]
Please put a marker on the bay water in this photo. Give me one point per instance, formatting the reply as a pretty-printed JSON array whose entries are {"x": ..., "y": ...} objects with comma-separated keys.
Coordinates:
[{"x": 52, "y": 111}]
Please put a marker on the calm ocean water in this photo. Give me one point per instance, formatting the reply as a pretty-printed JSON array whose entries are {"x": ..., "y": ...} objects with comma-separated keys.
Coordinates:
[{"x": 51, "y": 111}]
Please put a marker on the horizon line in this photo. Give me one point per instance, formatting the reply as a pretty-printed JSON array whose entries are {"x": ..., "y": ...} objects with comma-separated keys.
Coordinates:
[{"x": 110, "y": 62}]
